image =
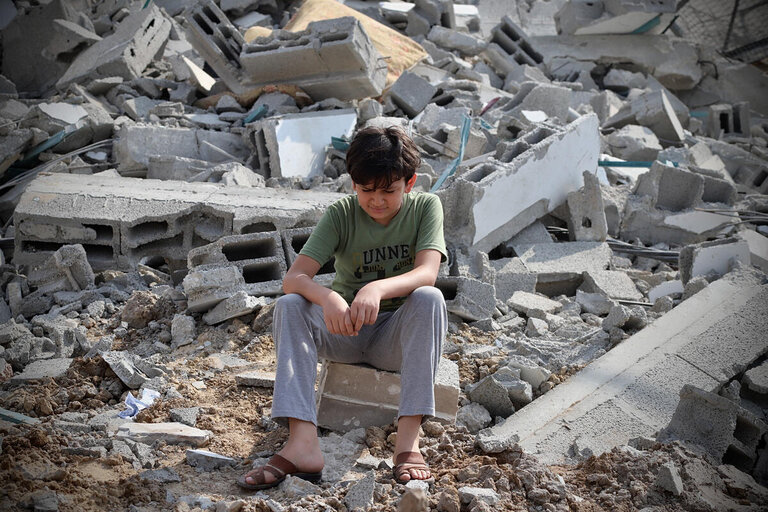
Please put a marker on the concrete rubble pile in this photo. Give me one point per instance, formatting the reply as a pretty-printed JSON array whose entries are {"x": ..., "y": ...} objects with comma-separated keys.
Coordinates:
[{"x": 604, "y": 186}]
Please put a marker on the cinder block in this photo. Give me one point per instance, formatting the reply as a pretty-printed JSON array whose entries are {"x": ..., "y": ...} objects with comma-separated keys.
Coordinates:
[
  {"x": 121, "y": 222},
  {"x": 218, "y": 42},
  {"x": 137, "y": 144},
  {"x": 353, "y": 396},
  {"x": 66, "y": 269},
  {"x": 586, "y": 212},
  {"x": 729, "y": 121},
  {"x": 329, "y": 59},
  {"x": 293, "y": 241},
  {"x": 412, "y": 93},
  {"x": 491, "y": 202},
  {"x": 671, "y": 188},
  {"x": 716, "y": 256},
  {"x": 134, "y": 44},
  {"x": 510, "y": 48},
  {"x": 259, "y": 257},
  {"x": 293, "y": 145}
]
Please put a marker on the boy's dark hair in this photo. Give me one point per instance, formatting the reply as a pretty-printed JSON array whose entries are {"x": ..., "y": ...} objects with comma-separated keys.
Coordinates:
[{"x": 380, "y": 156}]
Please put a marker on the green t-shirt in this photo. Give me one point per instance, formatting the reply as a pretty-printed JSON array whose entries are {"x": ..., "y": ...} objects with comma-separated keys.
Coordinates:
[{"x": 366, "y": 251}]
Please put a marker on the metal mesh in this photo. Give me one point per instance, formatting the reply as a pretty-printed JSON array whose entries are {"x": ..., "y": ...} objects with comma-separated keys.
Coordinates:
[{"x": 737, "y": 28}]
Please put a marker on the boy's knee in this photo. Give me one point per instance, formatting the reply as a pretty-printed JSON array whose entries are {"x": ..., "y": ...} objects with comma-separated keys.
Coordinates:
[
  {"x": 428, "y": 295},
  {"x": 290, "y": 301}
]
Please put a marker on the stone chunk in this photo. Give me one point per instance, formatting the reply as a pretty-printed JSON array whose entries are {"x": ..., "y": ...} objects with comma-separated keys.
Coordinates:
[
  {"x": 66, "y": 269},
  {"x": 182, "y": 330},
  {"x": 126, "y": 52},
  {"x": 45, "y": 368},
  {"x": 256, "y": 378},
  {"x": 586, "y": 213},
  {"x": 634, "y": 143},
  {"x": 717, "y": 256},
  {"x": 756, "y": 379},
  {"x": 487, "y": 496},
  {"x": 524, "y": 302},
  {"x": 612, "y": 283},
  {"x": 473, "y": 416},
  {"x": 412, "y": 93},
  {"x": 360, "y": 494},
  {"x": 237, "y": 305},
  {"x": 450, "y": 39},
  {"x": 204, "y": 460},
  {"x": 669, "y": 479},
  {"x": 185, "y": 415},
  {"x": 171, "y": 433}
]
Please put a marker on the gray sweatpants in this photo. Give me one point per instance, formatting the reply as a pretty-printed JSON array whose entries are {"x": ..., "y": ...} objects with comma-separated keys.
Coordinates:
[{"x": 408, "y": 340}]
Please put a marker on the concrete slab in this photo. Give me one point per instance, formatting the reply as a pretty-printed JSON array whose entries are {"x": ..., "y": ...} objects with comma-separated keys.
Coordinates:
[
  {"x": 491, "y": 202},
  {"x": 294, "y": 145},
  {"x": 715, "y": 257},
  {"x": 120, "y": 221},
  {"x": 354, "y": 396},
  {"x": 612, "y": 283},
  {"x": 45, "y": 368},
  {"x": 136, "y": 41},
  {"x": 170, "y": 433},
  {"x": 707, "y": 339}
]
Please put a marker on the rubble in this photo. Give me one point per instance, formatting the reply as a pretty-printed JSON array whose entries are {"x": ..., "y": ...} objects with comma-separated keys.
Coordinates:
[{"x": 602, "y": 172}]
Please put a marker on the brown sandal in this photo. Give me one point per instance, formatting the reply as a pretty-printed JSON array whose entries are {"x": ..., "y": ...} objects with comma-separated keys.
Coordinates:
[
  {"x": 279, "y": 467},
  {"x": 405, "y": 461}
]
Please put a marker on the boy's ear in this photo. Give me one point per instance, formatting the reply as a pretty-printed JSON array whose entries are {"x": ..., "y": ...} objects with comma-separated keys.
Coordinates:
[{"x": 410, "y": 183}]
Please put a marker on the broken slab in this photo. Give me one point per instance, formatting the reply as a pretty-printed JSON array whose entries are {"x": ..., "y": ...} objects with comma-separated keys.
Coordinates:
[
  {"x": 652, "y": 109},
  {"x": 586, "y": 212},
  {"x": 137, "y": 144},
  {"x": 329, "y": 59},
  {"x": 524, "y": 302},
  {"x": 491, "y": 202},
  {"x": 122, "y": 221},
  {"x": 715, "y": 257},
  {"x": 611, "y": 283},
  {"x": 758, "y": 248},
  {"x": 43, "y": 369},
  {"x": 66, "y": 270},
  {"x": 170, "y": 433},
  {"x": 293, "y": 145},
  {"x": 353, "y": 396},
  {"x": 136, "y": 41},
  {"x": 673, "y": 61},
  {"x": 633, "y": 390},
  {"x": 467, "y": 298},
  {"x": 234, "y": 306}
]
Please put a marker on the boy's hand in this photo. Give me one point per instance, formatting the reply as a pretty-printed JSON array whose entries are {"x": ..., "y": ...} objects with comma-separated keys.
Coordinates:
[
  {"x": 337, "y": 315},
  {"x": 365, "y": 306}
]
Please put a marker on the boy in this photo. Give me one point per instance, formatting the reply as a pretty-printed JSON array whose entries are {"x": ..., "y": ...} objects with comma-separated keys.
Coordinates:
[{"x": 383, "y": 309}]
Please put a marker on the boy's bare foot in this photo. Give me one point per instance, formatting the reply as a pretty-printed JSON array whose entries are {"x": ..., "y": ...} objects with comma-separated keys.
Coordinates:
[{"x": 409, "y": 463}]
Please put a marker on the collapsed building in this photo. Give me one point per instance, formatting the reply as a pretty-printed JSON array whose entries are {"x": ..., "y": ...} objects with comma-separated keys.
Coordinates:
[{"x": 603, "y": 178}]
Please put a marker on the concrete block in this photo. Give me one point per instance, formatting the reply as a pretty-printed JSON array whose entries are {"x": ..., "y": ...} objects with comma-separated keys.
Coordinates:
[
  {"x": 671, "y": 188},
  {"x": 136, "y": 41},
  {"x": 465, "y": 44},
  {"x": 728, "y": 122},
  {"x": 467, "y": 298},
  {"x": 136, "y": 144},
  {"x": 258, "y": 256},
  {"x": 524, "y": 302},
  {"x": 510, "y": 276},
  {"x": 634, "y": 143},
  {"x": 207, "y": 286},
  {"x": 354, "y": 396},
  {"x": 510, "y": 48},
  {"x": 717, "y": 256},
  {"x": 611, "y": 283},
  {"x": 66, "y": 269},
  {"x": 586, "y": 212},
  {"x": 332, "y": 58},
  {"x": 758, "y": 248},
  {"x": 293, "y": 241},
  {"x": 256, "y": 378},
  {"x": 726, "y": 431},
  {"x": 412, "y": 93},
  {"x": 491, "y": 393},
  {"x": 654, "y": 110},
  {"x": 294, "y": 145},
  {"x": 122, "y": 222},
  {"x": 237, "y": 305},
  {"x": 43, "y": 369},
  {"x": 491, "y": 202}
]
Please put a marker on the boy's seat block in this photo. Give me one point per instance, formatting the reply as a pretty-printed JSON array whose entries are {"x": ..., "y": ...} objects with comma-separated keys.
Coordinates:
[{"x": 356, "y": 395}]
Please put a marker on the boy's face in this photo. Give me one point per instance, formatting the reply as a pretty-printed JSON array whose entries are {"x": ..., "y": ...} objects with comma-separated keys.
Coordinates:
[{"x": 382, "y": 204}]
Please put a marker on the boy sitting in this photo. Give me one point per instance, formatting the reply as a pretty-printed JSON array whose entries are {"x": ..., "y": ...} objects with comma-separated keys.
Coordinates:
[{"x": 383, "y": 309}]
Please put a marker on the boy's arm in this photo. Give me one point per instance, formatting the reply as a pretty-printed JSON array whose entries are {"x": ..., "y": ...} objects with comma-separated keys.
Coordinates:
[
  {"x": 365, "y": 306},
  {"x": 299, "y": 279}
]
